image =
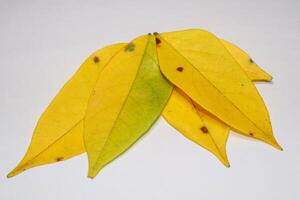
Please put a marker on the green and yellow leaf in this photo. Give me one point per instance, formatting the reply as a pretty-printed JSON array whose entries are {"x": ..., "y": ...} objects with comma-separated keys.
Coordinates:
[{"x": 128, "y": 98}]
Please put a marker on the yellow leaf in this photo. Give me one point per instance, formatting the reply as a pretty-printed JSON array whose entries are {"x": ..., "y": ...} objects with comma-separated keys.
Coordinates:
[
  {"x": 58, "y": 134},
  {"x": 197, "y": 124},
  {"x": 197, "y": 62},
  {"x": 128, "y": 98},
  {"x": 253, "y": 71},
  {"x": 71, "y": 142}
]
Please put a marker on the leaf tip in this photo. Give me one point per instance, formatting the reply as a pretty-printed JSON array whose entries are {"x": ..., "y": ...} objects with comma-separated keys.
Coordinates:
[
  {"x": 227, "y": 164},
  {"x": 9, "y": 175},
  {"x": 268, "y": 78},
  {"x": 12, "y": 173},
  {"x": 275, "y": 144},
  {"x": 91, "y": 177},
  {"x": 279, "y": 147},
  {"x": 92, "y": 173}
]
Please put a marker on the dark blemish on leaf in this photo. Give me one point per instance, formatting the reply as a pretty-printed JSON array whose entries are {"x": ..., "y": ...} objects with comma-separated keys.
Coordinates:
[
  {"x": 129, "y": 47},
  {"x": 149, "y": 34},
  {"x": 251, "y": 61},
  {"x": 251, "y": 134},
  {"x": 59, "y": 159},
  {"x": 155, "y": 33},
  {"x": 96, "y": 59},
  {"x": 204, "y": 129},
  {"x": 158, "y": 41},
  {"x": 180, "y": 69}
]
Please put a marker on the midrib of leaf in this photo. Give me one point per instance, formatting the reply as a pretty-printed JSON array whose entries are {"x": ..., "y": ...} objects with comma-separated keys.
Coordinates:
[
  {"x": 215, "y": 86},
  {"x": 50, "y": 145},
  {"x": 198, "y": 113},
  {"x": 123, "y": 105}
]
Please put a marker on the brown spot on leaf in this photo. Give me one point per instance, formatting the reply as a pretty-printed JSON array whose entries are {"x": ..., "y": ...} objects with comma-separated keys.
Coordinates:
[
  {"x": 204, "y": 129},
  {"x": 158, "y": 41},
  {"x": 59, "y": 159},
  {"x": 251, "y": 61},
  {"x": 129, "y": 47},
  {"x": 149, "y": 34},
  {"x": 180, "y": 69},
  {"x": 155, "y": 33},
  {"x": 251, "y": 134},
  {"x": 96, "y": 59}
]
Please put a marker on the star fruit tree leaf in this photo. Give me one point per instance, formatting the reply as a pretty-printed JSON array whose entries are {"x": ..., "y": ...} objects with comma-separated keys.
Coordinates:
[
  {"x": 197, "y": 62},
  {"x": 58, "y": 133},
  {"x": 129, "y": 96}
]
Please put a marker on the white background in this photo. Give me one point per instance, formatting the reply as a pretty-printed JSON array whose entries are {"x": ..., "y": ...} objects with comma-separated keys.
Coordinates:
[{"x": 42, "y": 43}]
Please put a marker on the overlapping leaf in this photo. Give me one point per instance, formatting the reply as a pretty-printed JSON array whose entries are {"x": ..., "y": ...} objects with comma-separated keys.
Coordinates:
[
  {"x": 197, "y": 62},
  {"x": 200, "y": 126},
  {"x": 58, "y": 134},
  {"x": 119, "y": 92}
]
